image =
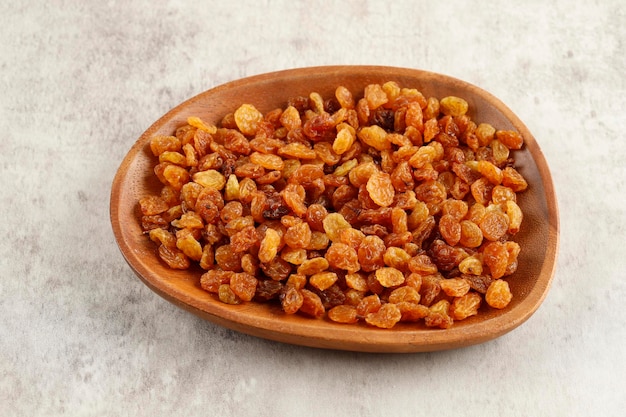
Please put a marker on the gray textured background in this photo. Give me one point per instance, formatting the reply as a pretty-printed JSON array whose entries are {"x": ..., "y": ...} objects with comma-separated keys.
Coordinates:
[{"x": 80, "y": 81}]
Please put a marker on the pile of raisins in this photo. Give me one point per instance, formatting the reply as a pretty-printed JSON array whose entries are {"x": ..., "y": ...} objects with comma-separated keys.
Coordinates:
[{"x": 394, "y": 207}]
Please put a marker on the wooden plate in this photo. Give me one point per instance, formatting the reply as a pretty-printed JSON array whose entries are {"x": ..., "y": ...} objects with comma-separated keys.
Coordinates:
[{"x": 538, "y": 237}]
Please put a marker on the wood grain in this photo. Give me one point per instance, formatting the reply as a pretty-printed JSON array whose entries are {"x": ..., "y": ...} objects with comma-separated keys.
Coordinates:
[{"x": 538, "y": 237}]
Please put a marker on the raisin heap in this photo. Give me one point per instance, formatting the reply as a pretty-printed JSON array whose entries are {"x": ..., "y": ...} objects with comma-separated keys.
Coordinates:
[{"x": 392, "y": 207}]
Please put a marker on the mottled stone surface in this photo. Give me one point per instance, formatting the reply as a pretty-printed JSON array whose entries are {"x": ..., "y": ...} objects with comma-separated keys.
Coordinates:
[{"x": 80, "y": 81}]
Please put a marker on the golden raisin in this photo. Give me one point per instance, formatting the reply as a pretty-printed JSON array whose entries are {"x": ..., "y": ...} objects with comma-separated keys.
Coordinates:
[
  {"x": 494, "y": 225},
  {"x": 291, "y": 299},
  {"x": 342, "y": 256},
  {"x": 381, "y": 189},
  {"x": 386, "y": 317},
  {"x": 243, "y": 285},
  {"x": 496, "y": 257},
  {"x": 453, "y": 106},
  {"x": 269, "y": 245},
  {"x": 247, "y": 118},
  {"x": 498, "y": 294},
  {"x": 343, "y": 314},
  {"x": 454, "y": 287},
  {"x": 389, "y": 277},
  {"x": 311, "y": 304},
  {"x": 323, "y": 280},
  {"x": 465, "y": 306}
]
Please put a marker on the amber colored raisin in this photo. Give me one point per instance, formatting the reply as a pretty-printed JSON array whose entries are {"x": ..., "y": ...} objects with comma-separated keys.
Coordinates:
[
  {"x": 160, "y": 144},
  {"x": 496, "y": 257},
  {"x": 481, "y": 191},
  {"x": 325, "y": 152},
  {"x": 313, "y": 266},
  {"x": 494, "y": 225},
  {"x": 381, "y": 189},
  {"x": 342, "y": 195},
  {"x": 323, "y": 280},
  {"x": 501, "y": 194},
  {"x": 414, "y": 280},
  {"x": 471, "y": 265},
  {"x": 439, "y": 315},
  {"x": 188, "y": 220},
  {"x": 431, "y": 192},
  {"x": 412, "y": 312},
  {"x": 515, "y": 215},
  {"x": 208, "y": 257},
  {"x": 386, "y": 317},
  {"x": 290, "y": 118},
  {"x": 465, "y": 306},
  {"x": 208, "y": 204},
  {"x": 173, "y": 175},
  {"x": 227, "y": 295},
  {"x": 267, "y": 161},
  {"x": 243, "y": 285},
  {"x": 173, "y": 257},
  {"x": 512, "y": 139},
  {"x": 342, "y": 256},
  {"x": 343, "y": 314},
  {"x": 471, "y": 234},
  {"x": 453, "y": 106},
  {"x": 374, "y": 136},
  {"x": 152, "y": 205},
  {"x": 319, "y": 241},
  {"x": 298, "y": 236},
  {"x": 404, "y": 294},
  {"x": 454, "y": 287},
  {"x": 356, "y": 281},
  {"x": 500, "y": 152},
  {"x": 227, "y": 259},
  {"x": 311, "y": 304},
  {"x": 250, "y": 264},
  {"x": 485, "y": 133},
  {"x": 231, "y": 210},
  {"x": 422, "y": 264},
  {"x": 389, "y": 277},
  {"x": 353, "y": 297},
  {"x": 291, "y": 299},
  {"x": 396, "y": 257},
  {"x": 450, "y": 229},
  {"x": 247, "y": 118},
  {"x": 244, "y": 240},
  {"x": 489, "y": 171},
  {"x": 333, "y": 224},
  {"x": 352, "y": 237},
  {"x": 189, "y": 246},
  {"x": 498, "y": 294},
  {"x": 211, "y": 280},
  {"x": 293, "y": 256},
  {"x": 371, "y": 253},
  {"x": 368, "y": 304},
  {"x": 456, "y": 208},
  {"x": 315, "y": 215},
  {"x": 513, "y": 179}
]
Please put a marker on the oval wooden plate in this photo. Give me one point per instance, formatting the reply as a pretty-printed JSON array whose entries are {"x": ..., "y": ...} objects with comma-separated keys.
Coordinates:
[{"x": 538, "y": 237}]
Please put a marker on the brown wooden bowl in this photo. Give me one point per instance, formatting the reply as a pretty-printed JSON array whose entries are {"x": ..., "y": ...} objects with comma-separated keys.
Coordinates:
[{"x": 538, "y": 237}]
